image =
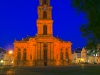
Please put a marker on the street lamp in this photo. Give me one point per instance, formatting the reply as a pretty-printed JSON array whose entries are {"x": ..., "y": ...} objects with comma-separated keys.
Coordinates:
[
  {"x": 82, "y": 59},
  {"x": 1, "y": 66},
  {"x": 10, "y": 52},
  {"x": 1, "y": 61}
]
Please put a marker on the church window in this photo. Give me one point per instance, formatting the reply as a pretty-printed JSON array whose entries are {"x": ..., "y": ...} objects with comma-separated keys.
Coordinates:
[
  {"x": 19, "y": 55},
  {"x": 57, "y": 56},
  {"x": 44, "y": 30},
  {"x": 61, "y": 55},
  {"x": 44, "y": 15},
  {"x": 66, "y": 56},
  {"x": 24, "y": 54},
  {"x": 30, "y": 57}
]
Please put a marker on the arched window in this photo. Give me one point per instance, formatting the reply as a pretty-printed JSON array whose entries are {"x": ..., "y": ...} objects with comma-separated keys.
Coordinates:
[
  {"x": 44, "y": 15},
  {"x": 30, "y": 57},
  {"x": 19, "y": 55},
  {"x": 67, "y": 54},
  {"x": 24, "y": 55},
  {"x": 61, "y": 55},
  {"x": 44, "y": 30}
]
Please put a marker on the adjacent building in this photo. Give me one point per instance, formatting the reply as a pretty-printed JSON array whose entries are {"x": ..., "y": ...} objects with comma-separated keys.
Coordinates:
[
  {"x": 43, "y": 49},
  {"x": 8, "y": 58},
  {"x": 98, "y": 47},
  {"x": 2, "y": 53},
  {"x": 83, "y": 56},
  {"x": 79, "y": 56}
]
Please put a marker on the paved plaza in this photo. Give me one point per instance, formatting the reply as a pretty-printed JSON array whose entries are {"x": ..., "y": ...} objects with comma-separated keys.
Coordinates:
[{"x": 82, "y": 69}]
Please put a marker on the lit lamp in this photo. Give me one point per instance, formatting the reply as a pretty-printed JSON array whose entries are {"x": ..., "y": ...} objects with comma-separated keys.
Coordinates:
[
  {"x": 10, "y": 52},
  {"x": 1, "y": 61},
  {"x": 12, "y": 62},
  {"x": 82, "y": 59}
]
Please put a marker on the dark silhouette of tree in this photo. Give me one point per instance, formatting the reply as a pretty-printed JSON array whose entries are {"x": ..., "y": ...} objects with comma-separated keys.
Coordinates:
[
  {"x": 91, "y": 31},
  {"x": 92, "y": 10}
]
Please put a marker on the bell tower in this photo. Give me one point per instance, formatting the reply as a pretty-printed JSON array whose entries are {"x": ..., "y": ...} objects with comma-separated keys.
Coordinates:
[
  {"x": 44, "y": 22},
  {"x": 46, "y": 2}
]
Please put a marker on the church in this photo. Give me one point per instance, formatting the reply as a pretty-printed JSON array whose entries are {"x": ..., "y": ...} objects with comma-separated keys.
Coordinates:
[{"x": 43, "y": 49}]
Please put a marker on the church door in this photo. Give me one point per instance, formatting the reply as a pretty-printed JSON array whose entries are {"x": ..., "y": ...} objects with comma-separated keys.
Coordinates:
[{"x": 45, "y": 55}]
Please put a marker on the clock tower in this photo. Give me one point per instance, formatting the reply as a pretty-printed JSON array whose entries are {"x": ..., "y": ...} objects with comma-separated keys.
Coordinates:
[
  {"x": 44, "y": 22},
  {"x": 43, "y": 49}
]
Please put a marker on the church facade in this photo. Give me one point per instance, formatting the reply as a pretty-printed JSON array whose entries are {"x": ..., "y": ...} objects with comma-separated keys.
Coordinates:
[{"x": 43, "y": 49}]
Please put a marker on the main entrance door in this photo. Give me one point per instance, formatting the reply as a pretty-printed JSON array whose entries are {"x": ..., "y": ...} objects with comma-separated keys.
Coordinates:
[{"x": 45, "y": 55}]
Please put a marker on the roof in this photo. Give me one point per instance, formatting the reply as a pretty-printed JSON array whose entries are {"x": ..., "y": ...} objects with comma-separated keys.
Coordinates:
[
  {"x": 78, "y": 50},
  {"x": 27, "y": 38},
  {"x": 59, "y": 39},
  {"x": 2, "y": 50}
]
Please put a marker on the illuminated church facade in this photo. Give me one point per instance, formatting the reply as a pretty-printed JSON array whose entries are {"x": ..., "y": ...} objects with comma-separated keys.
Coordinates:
[{"x": 43, "y": 49}]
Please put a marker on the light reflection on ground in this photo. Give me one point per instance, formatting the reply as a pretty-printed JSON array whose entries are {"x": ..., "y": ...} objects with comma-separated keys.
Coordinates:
[{"x": 10, "y": 72}]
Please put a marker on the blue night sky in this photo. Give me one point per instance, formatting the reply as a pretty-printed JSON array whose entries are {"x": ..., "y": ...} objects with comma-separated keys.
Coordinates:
[{"x": 18, "y": 19}]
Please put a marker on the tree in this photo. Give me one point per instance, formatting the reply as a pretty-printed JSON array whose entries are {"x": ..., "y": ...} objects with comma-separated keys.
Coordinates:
[
  {"x": 92, "y": 48},
  {"x": 91, "y": 31},
  {"x": 92, "y": 10}
]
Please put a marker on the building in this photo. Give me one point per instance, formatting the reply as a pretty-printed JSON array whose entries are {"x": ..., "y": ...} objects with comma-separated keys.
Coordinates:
[
  {"x": 2, "y": 53},
  {"x": 93, "y": 60},
  {"x": 43, "y": 49},
  {"x": 79, "y": 56},
  {"x": 83, "y": 56},
  {"x": 98, "y": 47},
  {"x": 8, "y": 58}
]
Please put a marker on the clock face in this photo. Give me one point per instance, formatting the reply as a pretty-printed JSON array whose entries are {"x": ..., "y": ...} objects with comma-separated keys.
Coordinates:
[{"x": 45, "y": 8}]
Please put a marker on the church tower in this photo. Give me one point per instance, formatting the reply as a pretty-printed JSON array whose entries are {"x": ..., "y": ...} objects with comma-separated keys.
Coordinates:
[
  {"x": 44, "y": 22},
  {"x": 43, "y": 49}
]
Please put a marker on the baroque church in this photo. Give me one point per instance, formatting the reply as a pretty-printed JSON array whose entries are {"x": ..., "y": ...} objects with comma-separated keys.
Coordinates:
[{"x": 43, "y": 49}]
